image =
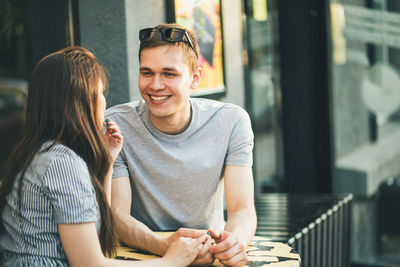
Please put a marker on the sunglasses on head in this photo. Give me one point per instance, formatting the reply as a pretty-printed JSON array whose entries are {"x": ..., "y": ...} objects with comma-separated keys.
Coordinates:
[{"x": 170, "y": 35}]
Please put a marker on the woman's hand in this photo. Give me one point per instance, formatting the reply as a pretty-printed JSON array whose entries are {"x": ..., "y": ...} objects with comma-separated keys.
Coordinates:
[
  {"x": 113, "y": 139},
  {"x": 203, "y": 257},
  {"x": 184, "y": 250}
]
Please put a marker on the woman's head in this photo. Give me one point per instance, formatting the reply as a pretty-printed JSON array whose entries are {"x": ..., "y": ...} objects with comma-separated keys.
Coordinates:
[{"x": 64, "y": 92}]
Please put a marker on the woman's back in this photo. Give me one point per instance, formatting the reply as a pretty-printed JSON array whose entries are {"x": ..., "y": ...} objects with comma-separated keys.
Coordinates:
[{"x": 56, "y": 189}]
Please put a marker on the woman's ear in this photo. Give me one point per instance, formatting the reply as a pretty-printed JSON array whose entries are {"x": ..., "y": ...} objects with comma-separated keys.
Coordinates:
[{"x": 196, "y": 78}]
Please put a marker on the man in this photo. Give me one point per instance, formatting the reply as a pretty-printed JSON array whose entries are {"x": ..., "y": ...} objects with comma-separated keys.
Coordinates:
[{"x": 180, "y": 155}]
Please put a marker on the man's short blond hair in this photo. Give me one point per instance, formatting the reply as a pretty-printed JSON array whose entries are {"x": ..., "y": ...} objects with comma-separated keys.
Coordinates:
[{"x": 191, "y": 55}]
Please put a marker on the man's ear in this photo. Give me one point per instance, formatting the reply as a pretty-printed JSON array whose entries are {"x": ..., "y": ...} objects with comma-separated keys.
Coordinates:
[{"x": 196, "y": 78}]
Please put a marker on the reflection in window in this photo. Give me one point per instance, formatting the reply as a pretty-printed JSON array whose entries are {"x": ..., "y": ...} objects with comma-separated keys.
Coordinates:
[
  {"x": 28, "y": 31},
  {"x": 262, "y": 95}
]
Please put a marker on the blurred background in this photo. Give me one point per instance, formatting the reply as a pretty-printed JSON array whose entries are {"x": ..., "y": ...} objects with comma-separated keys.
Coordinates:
[{"x": 319, "y": 79}]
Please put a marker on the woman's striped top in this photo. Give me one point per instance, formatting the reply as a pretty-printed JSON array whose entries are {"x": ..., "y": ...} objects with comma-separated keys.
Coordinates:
[{"x": 56, "y": 190}]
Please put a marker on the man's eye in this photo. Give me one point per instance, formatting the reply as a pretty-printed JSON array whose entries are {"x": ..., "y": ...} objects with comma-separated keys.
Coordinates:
[
  {"x": 169, "y": 74},
  {"x": 147, "y": 73}
]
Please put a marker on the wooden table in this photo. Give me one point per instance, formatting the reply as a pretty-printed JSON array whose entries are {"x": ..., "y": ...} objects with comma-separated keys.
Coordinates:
[{"x": 262, "y": 252}]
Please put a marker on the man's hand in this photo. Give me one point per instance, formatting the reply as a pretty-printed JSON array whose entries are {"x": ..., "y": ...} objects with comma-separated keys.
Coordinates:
[
  {"x": 228, "y": 248},
  {"x": 204, "y": 256}
]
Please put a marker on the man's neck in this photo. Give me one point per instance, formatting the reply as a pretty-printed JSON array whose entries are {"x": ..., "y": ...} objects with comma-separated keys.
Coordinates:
[{"x": 174, "y": 124}]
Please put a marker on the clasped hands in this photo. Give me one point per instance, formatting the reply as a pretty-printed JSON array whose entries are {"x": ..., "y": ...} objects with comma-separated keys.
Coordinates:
[{"x": 227, "y": 248}]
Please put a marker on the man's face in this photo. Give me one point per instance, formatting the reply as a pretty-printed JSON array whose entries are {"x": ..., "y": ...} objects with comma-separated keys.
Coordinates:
[{"x": 165, "y": 81}]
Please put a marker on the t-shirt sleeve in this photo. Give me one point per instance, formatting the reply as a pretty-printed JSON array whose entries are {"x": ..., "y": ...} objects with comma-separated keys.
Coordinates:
[
  {"x": 120, "y": 167},
  {"x": 240, "y": 148},
  {"x": 70, "y": 190}
]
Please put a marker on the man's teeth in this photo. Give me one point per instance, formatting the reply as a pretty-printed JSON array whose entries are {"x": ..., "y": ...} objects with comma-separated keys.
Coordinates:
[{"x": 158, "y": 98}]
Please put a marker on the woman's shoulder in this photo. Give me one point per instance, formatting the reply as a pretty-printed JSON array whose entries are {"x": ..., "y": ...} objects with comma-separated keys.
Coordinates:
[
  {"x": 56, "y": 157},
  {"x": 52, "y": 151},
  {"x": 62, "y": 167}
]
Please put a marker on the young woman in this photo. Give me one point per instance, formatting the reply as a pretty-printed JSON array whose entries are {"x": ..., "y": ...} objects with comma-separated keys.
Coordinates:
[{"x": 55, "y": 195}]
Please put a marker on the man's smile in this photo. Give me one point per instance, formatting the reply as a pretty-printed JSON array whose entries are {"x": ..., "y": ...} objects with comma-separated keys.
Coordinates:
[{"x": 158, "y": 98}]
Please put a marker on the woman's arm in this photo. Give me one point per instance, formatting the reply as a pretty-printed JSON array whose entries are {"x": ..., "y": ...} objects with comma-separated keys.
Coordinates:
[
  {"x": 82, "y": 247},
  {"x": 114, "y": 141}
]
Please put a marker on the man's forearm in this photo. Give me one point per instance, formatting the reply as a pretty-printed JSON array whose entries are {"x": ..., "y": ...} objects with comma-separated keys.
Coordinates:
[
  {"x": 243, "y": 224},
  {"x": 135, "y": 234}
]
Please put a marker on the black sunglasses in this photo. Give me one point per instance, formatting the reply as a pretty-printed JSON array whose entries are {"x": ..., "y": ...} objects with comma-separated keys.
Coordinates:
[{"x": 170, "y": 35}]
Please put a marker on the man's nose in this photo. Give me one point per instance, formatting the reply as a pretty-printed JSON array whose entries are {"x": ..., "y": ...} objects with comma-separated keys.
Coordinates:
[{"x": 157, "y": 83}]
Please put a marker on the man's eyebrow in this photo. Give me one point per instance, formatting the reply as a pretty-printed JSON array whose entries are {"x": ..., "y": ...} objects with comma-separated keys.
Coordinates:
[
  {"x": 169, "y": 69},
  {"x": 144, "y": 69},
  {"x": 163, "y": 69}
]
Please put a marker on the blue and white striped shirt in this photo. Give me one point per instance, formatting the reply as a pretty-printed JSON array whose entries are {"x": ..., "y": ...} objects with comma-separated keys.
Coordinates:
[{"x": 56, "y": 190}]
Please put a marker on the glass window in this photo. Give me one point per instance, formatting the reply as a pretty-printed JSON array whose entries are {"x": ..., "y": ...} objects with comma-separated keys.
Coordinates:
[
  {"x": 262, "y": 92},
  {"x": 366, "y": 83},
  {"x": 366, "y": 117},
  {"x": 28, "y": 31}
]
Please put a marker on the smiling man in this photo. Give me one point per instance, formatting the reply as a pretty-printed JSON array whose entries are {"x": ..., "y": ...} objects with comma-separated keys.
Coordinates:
[{"x": 181, "y": 155}]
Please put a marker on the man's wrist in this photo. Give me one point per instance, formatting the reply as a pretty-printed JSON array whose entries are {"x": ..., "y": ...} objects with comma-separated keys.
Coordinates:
[
  {"x": 244, "y": 240},
  {"x": 165, "y": 262},
  {"x": 241, "y": 239},
  {"x": 162, "y": 245}
]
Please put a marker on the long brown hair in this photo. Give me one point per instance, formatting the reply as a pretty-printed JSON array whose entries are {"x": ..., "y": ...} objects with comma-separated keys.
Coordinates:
[{"x": 62, "y": 106}]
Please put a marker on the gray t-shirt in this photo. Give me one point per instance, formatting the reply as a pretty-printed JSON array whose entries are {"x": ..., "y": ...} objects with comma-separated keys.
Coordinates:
[
  {"x": 57, "y": 189},
  {"x": 177, "y": 180}
]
